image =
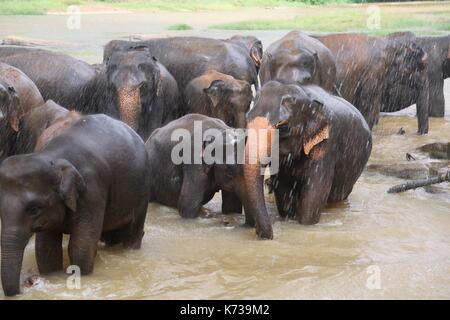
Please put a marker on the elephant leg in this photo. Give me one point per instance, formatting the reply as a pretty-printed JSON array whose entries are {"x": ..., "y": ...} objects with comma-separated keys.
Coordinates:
[
  {"x": 231, "y": 203},
  {"x": 193, "y": 191},
  {"x": 49, "y": 254},
  {"x": 436, "y": 96},
  {"x": 285, "y": 197},
  {"x": 85, "y": 235},
  {"x": 314, "y": 193},
  {"x": 112, "y": 238},
  {"x": 133, "y": 234}
]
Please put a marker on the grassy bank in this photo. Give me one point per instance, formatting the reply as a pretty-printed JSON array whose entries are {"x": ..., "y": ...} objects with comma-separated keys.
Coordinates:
[
  {"x": 428, "y": 19},
  {"x": 39, "y": 7}
]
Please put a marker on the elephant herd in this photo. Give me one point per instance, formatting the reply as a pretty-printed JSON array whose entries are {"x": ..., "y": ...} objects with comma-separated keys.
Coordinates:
[{"x": 73, "y": 158}]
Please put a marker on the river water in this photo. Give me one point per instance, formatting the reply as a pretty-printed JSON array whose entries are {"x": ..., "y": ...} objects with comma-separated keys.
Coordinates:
[{"x": 374, "y": 245}]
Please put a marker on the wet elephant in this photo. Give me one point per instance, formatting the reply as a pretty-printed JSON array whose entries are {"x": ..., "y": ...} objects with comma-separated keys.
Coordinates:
[
  {"x": 299, "y": 59},
  {"x": 370, "y": 68},
  {"x": 133, "y": 86},
  {"x": 190, "y": 182},
  {"x": 324, "y": 145},
  {"x": 187, "y": 58},
  {"x": 219, "y": 96},
  {"x": 139, "y": 88},
  {"x": 438, "y": 62},
  {"x": 18, "y": 96},
  {"x": 58, "y": 76},
  {"x": 73, "y": 186}
]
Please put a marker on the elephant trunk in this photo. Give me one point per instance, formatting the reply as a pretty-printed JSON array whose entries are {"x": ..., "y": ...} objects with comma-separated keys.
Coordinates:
[
  {"x": 254, "y": 205},
  {"x": 130, "y": 106},
  {"x": 13, "y": 246}
]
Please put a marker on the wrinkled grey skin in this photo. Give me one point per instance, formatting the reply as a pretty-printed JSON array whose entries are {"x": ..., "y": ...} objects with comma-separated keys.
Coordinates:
[
  {"x": 33, "y": 124},
  {"x": 137, "y": 70},
  {"x": 299, "y": 59},
  {"x": 219, "y": 96},
  {"x": 77, "y": 187},
  {"x": 371, "y": 69},
  {"x": 438, "y": 64},
  {"x": 187, "y": 58},
  {"x": 188, "y": 186},
  {"x": 58, "y": 76},
  {"x": 313, "y": 171},
  {"x": 77, "y": 85}
]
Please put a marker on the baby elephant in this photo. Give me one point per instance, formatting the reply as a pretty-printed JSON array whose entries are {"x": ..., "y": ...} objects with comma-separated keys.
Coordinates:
[
  {"x": 185, "y": 177},
  {"x": 90, "y": 182},
  {"x": 324, "y": 145},
  {"x": 219, "y": 96}
]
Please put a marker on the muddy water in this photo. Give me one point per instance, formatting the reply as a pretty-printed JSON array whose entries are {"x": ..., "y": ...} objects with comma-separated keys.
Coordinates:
[{"x": 401, "y": 240}]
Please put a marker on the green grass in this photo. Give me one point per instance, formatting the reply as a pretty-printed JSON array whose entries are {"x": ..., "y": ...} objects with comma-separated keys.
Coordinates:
[
  {"x": 195, "y": 5},
  {"x": 180, "y": 27},
  {"x": 347, "y": 19},
  {"x": 34, "y": 7},
  {"x": 39, "y": 7}
]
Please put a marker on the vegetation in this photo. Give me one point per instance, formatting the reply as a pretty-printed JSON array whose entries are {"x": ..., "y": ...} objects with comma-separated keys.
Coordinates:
[
  {"x": 180, "y": 27},
  {"x": 354, "y": 19},
  {"x": 38, "y": 7}
]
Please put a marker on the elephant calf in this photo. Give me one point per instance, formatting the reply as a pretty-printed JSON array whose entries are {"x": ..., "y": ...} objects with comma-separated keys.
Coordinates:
[
  {"x": 324, "y": 144},
  {"x": 187, "y": 184},
  {"x": 91, "y": 181},
  {"x": 221, "y": 96}
]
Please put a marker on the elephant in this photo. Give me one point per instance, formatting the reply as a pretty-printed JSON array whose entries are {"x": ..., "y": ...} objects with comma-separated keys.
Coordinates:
[
  {"x": 138, "y": 90},
  {"x": 218, "y": 95},
  {"x": 438, "y": 53},
  {"x": 187, "y": 183},
  {"x": 370, "y": 68},
  {"x": 187, "y": 58},
  {"x": 133, "y": 86},
  {"x": 31, "y": 126},
  {"x": 58, "y": 76},
  {"x": 18, "y": 96},
  {"x": 73, "y": 186},
  {"x": 253, "y": 45},
  {"x": 324, "y": 145},
  {"x": 299, "y": 59}
]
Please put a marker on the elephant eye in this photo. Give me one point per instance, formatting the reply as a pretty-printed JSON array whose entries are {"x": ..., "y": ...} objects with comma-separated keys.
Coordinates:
[{"x": 34, "y": 209}]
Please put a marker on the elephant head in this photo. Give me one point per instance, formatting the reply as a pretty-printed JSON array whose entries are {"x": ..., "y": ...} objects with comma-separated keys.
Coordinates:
[
  {"x": 134, "y": 78},
  {"x": 301, "y": 119},
  {"x": 36, "y": 192},
  {"x": 254, "y": 47},
  {"x": 290, "y": 66},
  {"x": 230, "y": 100}
]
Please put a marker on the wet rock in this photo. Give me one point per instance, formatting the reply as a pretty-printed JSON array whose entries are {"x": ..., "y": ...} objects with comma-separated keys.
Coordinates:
[
  {"x": 409, "y": 170},
  {"x": 437, "y": 150}
]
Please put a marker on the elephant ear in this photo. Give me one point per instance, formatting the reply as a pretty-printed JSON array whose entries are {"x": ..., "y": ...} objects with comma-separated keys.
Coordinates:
[
  {"x": 215, "y": 91},
  {"x": 71, "y": 183},
  {"x": 448, "y": 53},
  {"x": 317, "y": 131},
  {"x": 256, "y": 53},
  {"x": 14, "y": 111},
  {"x": 157, "y": 77}
]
